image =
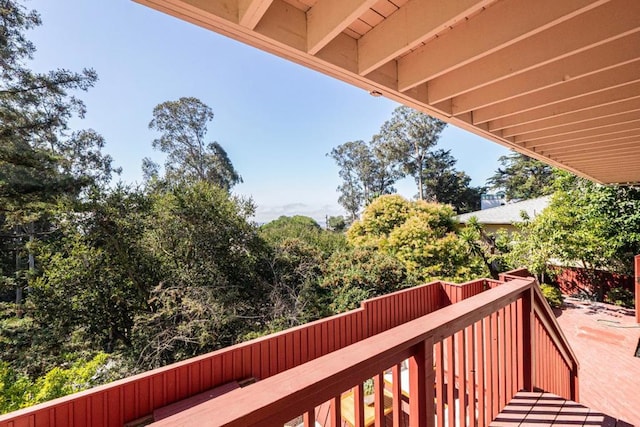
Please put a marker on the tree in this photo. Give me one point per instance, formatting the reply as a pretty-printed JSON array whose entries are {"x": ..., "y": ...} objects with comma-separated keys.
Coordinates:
[
  {"x": 366, "y": 173},
  {"x": 421, "y": 235},
  {"x": 210, "y": 288},
  {"x": 41, "y": 161},
  {"x": 297, "y": 251},
  {"x": 95, "y": 275},
  {"x": 490, "y": 248},
  {"x": 407, "y": 139},
  {"x": 356, "y": 274},
  {"x": 182, "y": 125},
  {"x": 587, "y": 224},
  {"x": 444, "y": 184},
  {"x": 302, "y": 228},
  {"x": 337, "y": 224},
  {"x": 522, "y": 177}
]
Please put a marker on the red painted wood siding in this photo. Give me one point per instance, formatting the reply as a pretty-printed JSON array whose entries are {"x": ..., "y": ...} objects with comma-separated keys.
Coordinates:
[
  {"x": 135, "y": 397},
  {"x": 469, "y": 356}
]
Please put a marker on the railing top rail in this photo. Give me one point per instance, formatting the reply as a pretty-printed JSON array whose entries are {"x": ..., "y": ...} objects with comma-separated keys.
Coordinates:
[
  {"x": 399, "y": 292},
  {"x": 321, "y": 379}
]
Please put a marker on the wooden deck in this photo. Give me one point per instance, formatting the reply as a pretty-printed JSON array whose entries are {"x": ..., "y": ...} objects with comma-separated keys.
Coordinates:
[
  {"x": 604, "y": 338},
  {"x": 546, "y": 409}
]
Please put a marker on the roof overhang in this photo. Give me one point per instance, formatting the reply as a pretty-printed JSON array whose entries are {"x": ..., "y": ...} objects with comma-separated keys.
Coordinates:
[{"x": 556, "y": 80}]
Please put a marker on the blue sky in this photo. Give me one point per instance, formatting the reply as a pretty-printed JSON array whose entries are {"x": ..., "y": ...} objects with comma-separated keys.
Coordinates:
[{"x": 277, "y": 120}]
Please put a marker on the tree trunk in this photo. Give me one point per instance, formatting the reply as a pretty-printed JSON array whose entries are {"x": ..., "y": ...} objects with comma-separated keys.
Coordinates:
[{"x": 18, "y": 284}]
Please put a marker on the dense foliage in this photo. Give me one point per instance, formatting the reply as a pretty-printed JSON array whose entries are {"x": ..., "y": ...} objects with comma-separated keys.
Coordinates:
[
  {"x": 522, "y": 177},
  {"x": 586, "y": 225},
  {"x": 421, "y": 235}
]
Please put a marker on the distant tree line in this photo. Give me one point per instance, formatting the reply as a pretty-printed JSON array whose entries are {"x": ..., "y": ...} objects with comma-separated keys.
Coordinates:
[{"x": 405, "y": 146}]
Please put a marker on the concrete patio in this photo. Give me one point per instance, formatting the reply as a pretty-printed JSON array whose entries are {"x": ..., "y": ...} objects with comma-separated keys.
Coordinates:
[{"x": 605, "y": 339}]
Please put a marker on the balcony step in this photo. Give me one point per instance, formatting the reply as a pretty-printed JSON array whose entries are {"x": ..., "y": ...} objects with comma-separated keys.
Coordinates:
[{"x": 546, "y": 409}]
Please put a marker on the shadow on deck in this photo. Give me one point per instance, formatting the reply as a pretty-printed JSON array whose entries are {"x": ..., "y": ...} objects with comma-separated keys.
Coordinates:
[{"x": 546, "y": 409}]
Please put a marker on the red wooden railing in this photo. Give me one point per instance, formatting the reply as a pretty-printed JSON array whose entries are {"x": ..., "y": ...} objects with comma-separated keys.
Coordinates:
[
  {"x": 552, "y": 353},
  {"x": 138, "y": 396},
  {"x": 466, "y": 361}
]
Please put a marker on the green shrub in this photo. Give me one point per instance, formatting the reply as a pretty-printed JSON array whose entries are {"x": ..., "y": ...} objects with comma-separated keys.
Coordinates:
[
  {"x": 552, "y": 295},
  {"x": 620, "y": 296}
]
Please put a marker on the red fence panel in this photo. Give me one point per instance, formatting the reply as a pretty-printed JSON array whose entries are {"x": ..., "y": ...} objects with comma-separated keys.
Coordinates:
[{"x": 260, "y": 358}]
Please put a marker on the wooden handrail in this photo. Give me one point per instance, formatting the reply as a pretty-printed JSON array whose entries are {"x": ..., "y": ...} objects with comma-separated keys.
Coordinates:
[{"x": 284, "y": 396}]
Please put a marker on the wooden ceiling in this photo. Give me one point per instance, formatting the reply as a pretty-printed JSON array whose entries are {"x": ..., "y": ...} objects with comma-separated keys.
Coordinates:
[{"x": 558, "y": 80}]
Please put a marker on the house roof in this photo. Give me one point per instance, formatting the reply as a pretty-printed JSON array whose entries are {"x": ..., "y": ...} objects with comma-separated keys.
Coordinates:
[
  {"x": 509, "y": 213},
  {"x": 556, "y": 80}
]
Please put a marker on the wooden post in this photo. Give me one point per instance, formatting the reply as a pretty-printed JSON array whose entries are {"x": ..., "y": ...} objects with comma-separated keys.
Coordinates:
[
  {"x": 420, "y": 379},
  {"x": 528, "y": 349},
  {"x": 637, "y": 294}
]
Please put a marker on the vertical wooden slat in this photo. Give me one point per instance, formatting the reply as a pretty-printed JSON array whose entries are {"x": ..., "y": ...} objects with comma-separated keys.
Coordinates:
[
  {"x": 396, "y": 391},
  {"x": 528, "y": 347},
  {"x": 430, "y": 378},
  {"x": 514, "y": 346},
  {"x": 462, "y": 377},
  {"x": 297, "y": 348},
  {"x": 470, "y": 351},
  {"x": 309, "y": 418},
  {"x": 378, "y": 405},
  {"x": 480, "y": 352},
  {"x": 520, "y": 345},
  {"x": 508, "y": 349},
  {"x": 503, "y": 373},
  {"x": 324, "y": 338},
  {"x": 417, "y": 383},
  {"x": 335, "y": 414},
  {"x": 495, "y": 367},
  {"x": 451, "y": 381},
  {"x": 320, "y": 348},
  {"x": 358, "y": 405},
  {"x": 439, "y": 384}
]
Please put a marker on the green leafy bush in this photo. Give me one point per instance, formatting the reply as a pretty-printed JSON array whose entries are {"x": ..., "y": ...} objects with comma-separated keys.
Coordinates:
[
  {"x": 552, "y": 295},
  {"x": 19, "y": 391},
  {"x": 421, "y": 235},
  {"x": 620, "y": 296},
  {"x": 361, "y": 273}
]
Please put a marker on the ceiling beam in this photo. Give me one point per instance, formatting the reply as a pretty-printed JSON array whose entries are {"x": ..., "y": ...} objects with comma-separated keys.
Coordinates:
[
  {"x": 196, "y": 11},
  {"x": 250, "y": 12},
  {"x": 405, "y": 29},
  {"x": 582, "y": 135},
  {"x": 599, "y": 139},
  {"x": 574, "y": 88},
  {"x": 605, "y": 164},
  {"x": 631, "y": 141},
  {"x": 498, "y": 26},
  {"x": 599, "y": 126},
  {"x": 591, "y": 61},
  {"x": 622, "y": 154},
  {"x": 579, "y": 117},
  {"x": 571, "y": 128},
  {"x": 570, "y": 107},
  {"x": 328, "y": 18},
  {"x": 605, "y": 23},
  {"x": 593, "y": 148}
]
